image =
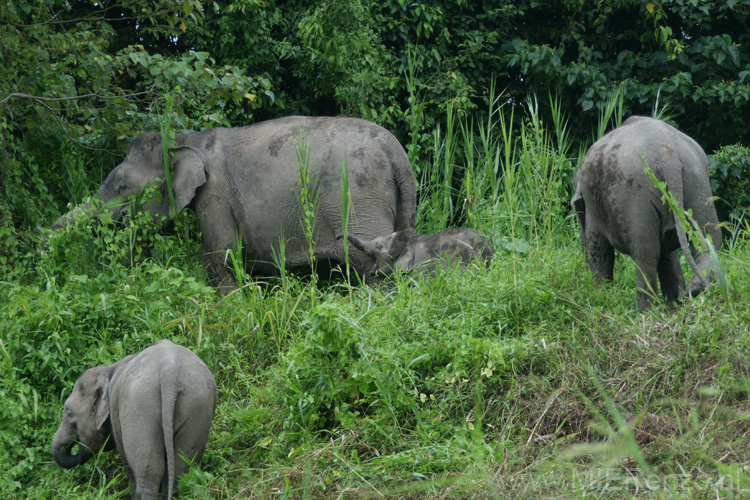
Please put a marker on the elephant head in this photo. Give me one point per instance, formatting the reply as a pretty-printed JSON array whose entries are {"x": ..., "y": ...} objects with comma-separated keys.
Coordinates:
[
  {"x": 85, "y": 418},
  {"x": 390, "y": 252},
  {"x": 144, "y": 166}
]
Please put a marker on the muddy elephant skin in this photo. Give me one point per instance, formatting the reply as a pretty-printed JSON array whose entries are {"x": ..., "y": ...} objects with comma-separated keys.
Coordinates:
[
  {"x": 407, "y": 249},
  {"x": 618, "y": 207}
]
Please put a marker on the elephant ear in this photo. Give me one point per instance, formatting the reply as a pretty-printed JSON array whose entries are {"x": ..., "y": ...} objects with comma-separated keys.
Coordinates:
[
  {"x": 189, "y": 174},
  {"x": 392, "y": 258},
  {"x": 101, "y": 397},
  {"x": 405, "y": 261},
  {"x": 400, "y": 243},
  {"x": 579, "y": 205}
]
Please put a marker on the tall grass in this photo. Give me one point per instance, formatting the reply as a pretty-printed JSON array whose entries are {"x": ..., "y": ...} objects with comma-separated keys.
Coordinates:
[
  {"x": 437, "y": 179},
  {"x": 498, "y": 175}
]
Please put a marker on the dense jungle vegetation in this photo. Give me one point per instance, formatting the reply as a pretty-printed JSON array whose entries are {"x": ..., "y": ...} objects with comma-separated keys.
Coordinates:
[{"x": 522, "y": 381}]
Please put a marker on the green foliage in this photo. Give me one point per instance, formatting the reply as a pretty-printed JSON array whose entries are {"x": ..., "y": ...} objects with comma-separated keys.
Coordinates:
[
  {"x": 730, "y": 180},
  {"x": 94, "y": 242},
  {"x": 90, "y": 79},
  {"x": 509, "y": 186},
  {"x": 307, "y": 197},
  {"x": 687, "y": 50},
  {"x": 341, "y": 52},
  {"x": 21, "y": 430},
  {"x": 324, "y": 371}
]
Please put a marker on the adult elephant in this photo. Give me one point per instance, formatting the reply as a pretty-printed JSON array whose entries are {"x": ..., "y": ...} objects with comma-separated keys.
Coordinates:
[
  {"x": 620, "y": 208},
  {"x": 246, "y": 182}
]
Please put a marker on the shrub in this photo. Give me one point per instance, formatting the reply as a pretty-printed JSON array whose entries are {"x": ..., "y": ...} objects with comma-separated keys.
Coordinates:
[{"x": 730, "y": 180}]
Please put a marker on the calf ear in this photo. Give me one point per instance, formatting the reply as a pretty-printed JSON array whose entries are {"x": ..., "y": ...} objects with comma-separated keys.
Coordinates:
[
  {"x": 101, "y": 398},
  {"x": 399, "y": 244},
  {"x": 579, "y": 207},
  {"x": 406, "y": 259},
  {"x": 189, "y": 174}
]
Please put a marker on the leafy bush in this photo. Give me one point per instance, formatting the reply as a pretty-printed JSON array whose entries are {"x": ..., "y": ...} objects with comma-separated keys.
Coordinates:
[
  {"x": 93, "y": 243},
  {"x": 730, "y": 180},
  {"x": 389, "y": 370},
  {"x": 21, "y": 430},
  {"x": 336, "y": 369}
]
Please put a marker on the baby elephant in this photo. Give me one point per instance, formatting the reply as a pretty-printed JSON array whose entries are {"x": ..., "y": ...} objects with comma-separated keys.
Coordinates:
[
  {"x": 406, "y": 249},
  {"x": 153, "y": 406}
]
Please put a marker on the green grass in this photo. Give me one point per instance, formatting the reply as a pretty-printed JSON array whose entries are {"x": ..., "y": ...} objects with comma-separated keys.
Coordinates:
[
  {"x": 525, "y": 380},
  {"x": 458, "y": 386}
]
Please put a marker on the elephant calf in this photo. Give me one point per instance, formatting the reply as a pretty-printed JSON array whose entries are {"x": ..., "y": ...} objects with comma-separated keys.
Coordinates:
[
  {"x": 154, "y": 407},
  {"x": 406, "y": 249},
  {"x": 620, "y": 208}
]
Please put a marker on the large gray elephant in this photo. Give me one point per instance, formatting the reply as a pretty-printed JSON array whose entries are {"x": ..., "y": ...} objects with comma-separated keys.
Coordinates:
[
  {"x": 618, "y": 206},
  {"x": 154, "y": 407},
  {"x": 246, "y": 182},
  {"x": 405, "y": 250}
]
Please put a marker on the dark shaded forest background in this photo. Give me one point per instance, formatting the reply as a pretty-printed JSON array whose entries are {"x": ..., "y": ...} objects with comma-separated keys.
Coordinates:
[{"x": 81, "y": 78}]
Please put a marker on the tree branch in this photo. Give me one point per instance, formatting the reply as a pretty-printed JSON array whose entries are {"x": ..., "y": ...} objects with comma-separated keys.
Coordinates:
[
  {"x": 41, "y": 100},
  {"x": 94, "y": 16},
  {"x": 21, "y": 95}
]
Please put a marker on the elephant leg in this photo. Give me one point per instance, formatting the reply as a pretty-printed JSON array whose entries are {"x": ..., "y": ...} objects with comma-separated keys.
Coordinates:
[
  {"x": 190, "y": 442},
  {"x": 218, "y": 237},
  {"x": 698, "y": 283},
  {"x": 217, "y": 273},
  {"x": 142, "y": 446},
  {"x": 646, "y": 264},
  {"x": 600, "y": 255},
  {"x": 146, "y": 486},
  {"x": 670, "y": 276}
]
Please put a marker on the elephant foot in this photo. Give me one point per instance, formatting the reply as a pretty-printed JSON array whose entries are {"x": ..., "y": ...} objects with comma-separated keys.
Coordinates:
[
  {"x": 698, "y": 285},
  {"x": 697, "y": 289}
]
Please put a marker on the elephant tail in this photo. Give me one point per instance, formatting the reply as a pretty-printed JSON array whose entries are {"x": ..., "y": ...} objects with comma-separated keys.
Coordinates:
[
  {"x": 169, "y": 392},
  {"x": 675, "y": 186},
  {"x": 403, "y": 176}
]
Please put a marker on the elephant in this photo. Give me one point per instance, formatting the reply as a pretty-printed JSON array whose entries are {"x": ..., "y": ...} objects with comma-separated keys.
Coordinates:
[
  {"x": 406, "y": 249},
  {"x": 71, "y": 216},
  {"x": 618, "y": 207},
  {"x": 246, "y": 184},
  {"x": 154, "y": 407}
]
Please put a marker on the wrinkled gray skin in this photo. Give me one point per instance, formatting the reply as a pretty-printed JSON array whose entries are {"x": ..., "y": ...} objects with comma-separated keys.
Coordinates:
[
  {"x": 152, "y": 406},
  {"x": 245, "y": 181},
  {"x": 405, "y": 250},
  {"x": 618, "y": 206},
  {"x": 70, "y": 217}
]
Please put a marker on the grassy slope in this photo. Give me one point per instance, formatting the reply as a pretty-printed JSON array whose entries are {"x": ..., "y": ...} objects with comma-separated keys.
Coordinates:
[{"x": 523, "y": 380}]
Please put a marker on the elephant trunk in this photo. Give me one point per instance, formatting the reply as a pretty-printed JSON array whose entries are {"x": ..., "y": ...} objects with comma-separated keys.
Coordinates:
[
  {"x": 365, "y": 246},
  {"x": 62, "y": 445},
  {"x": 70, "y": 217}
]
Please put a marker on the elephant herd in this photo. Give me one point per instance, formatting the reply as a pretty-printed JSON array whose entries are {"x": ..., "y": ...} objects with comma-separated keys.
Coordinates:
[{"x": 250, "y": 184}]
